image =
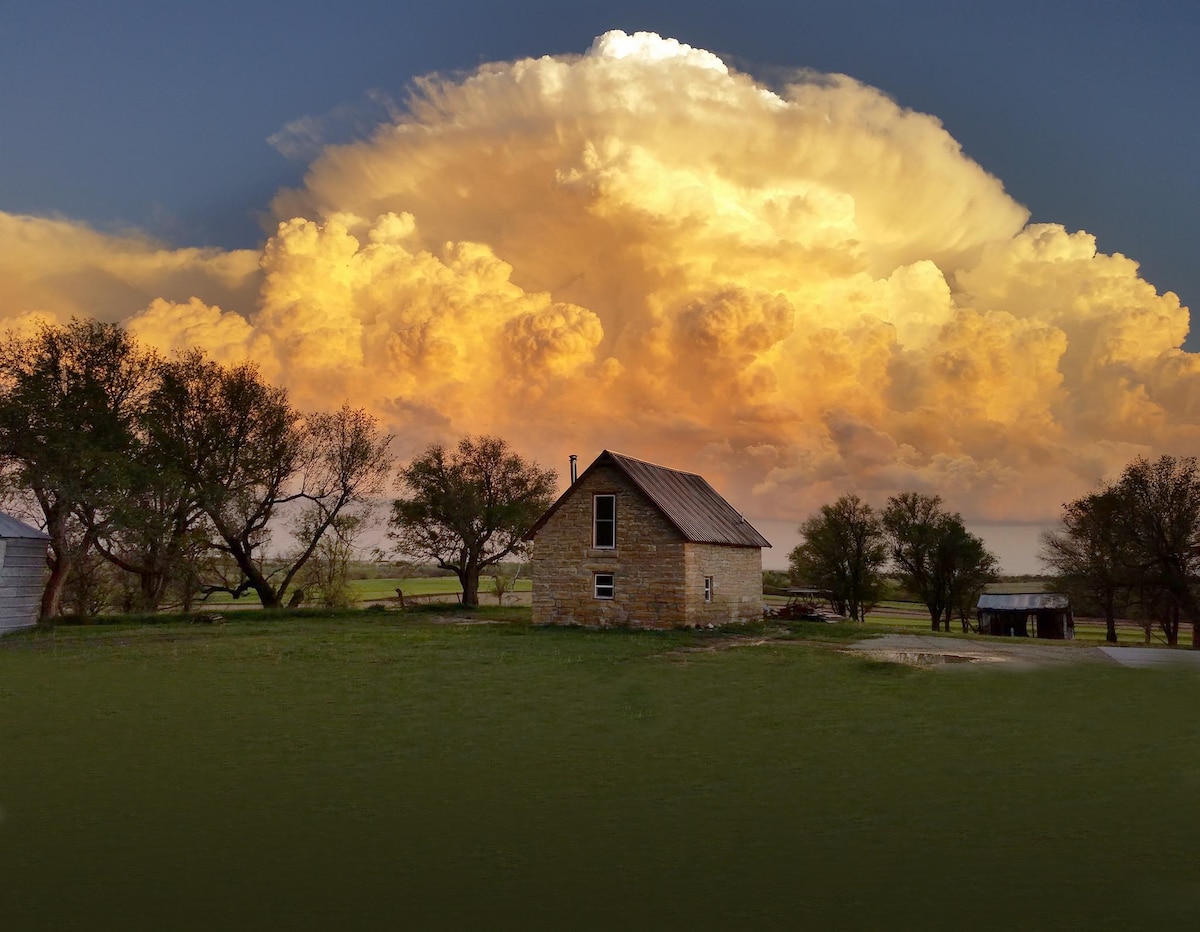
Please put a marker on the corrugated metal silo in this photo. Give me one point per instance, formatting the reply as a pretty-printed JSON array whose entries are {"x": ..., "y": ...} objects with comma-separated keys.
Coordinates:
[{"x": 22, "y": 573}]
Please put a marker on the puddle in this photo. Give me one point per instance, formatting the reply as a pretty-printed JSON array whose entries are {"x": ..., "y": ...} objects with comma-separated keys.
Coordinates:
[{"x": 926, "y": 658}]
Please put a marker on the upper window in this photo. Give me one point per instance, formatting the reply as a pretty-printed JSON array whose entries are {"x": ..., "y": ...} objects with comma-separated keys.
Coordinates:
[{"x": 604, "y": 521}]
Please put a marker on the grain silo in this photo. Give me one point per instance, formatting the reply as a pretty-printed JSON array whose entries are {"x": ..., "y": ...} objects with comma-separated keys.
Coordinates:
[{"x": 22, "y": 573}]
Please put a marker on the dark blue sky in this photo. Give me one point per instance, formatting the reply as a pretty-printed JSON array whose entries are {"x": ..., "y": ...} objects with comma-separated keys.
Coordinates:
[{"x": 156, "y": 115}]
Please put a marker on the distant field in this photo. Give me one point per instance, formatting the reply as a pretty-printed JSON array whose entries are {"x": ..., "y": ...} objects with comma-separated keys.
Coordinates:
[
  {"x": 1007, "y": 588},
  {"x": 367, "y": 590},
  {"x": 392, "y": 770},
  {"x": 913, "y": 617}
]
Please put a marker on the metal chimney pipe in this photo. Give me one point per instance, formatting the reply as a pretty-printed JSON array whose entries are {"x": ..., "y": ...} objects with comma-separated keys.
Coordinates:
[{"x": 574, "y": 468}]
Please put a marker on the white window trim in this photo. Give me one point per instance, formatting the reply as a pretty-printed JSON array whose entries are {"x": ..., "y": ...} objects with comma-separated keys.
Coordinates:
[
  {"x": 595, "y": 521},
  {"x": 710, "y": 584},
  {"x": 612, "y": 586}
]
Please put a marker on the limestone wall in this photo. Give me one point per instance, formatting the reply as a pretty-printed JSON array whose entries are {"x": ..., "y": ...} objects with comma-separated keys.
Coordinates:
[
  {"x": 737, "y": 583},
  {"x": 648, "y": 561}
]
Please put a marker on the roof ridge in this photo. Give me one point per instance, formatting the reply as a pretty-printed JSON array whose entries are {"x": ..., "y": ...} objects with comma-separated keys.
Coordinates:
[{"x": 635, "y": 459}]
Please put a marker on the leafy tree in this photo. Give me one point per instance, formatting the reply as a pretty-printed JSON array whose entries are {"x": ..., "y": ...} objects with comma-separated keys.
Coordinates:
[
  {"x": 1090, "y": 551},
  {"x": 843, "y": 551},
  {"x": 913, "y": 524},
  {"x": 154, "y": 526},
  {"x": 469, "y": 506},
  {"x": 1160, "y": 518},
  {"x": 504, "y": 579},
  {"x": 327, "y": 573},
  {"x": 1136, "y": 543},
  {"x": 937, "y": 558},
  {"x": 968, "y": 567},
  {"x": 69, "y": 398},
  {"x": 245, "y": 453},
  {"x": 775, "y": 579}
]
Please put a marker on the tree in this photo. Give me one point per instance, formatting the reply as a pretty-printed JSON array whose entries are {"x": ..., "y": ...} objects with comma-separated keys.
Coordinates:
[
  {"x": 245, "y": 453},
  {"x": 504, "y": 579},
  {"x": 469, "y": 507},
  {"x": 69, "y": 397},
  {"x": 775, "y": 579},
  {"x": 153, "y": 526},
  {"x": 968, "y": 567},
  {"x": 1160, "y": 518},
  {"x": 913, "y": 524},
  {"x": 937, "y": 558},
  {"x": 1090, "y": 551},
  {"x": 328, "y": 569},
  {"x": 843, "y": 551}
]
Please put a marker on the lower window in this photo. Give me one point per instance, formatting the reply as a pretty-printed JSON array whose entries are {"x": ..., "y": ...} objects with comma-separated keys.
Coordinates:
[
  {"x": 708, "y": 588},
  {"x": 605, "y": 585}
]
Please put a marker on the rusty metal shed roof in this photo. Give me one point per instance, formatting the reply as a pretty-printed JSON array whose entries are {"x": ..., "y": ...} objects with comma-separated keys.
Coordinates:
[
  {"x": 1023, "y": 601},
  {"x": 685, "y": 499}
]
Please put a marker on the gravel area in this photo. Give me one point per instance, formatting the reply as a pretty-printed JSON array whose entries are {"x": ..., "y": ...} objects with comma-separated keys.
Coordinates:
[{"x": 930, "y": 650}]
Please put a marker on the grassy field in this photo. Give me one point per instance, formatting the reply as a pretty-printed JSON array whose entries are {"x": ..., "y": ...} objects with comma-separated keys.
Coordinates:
[
  {"x": 393, "y": 771},
  {"x": 367, "y": 590}
]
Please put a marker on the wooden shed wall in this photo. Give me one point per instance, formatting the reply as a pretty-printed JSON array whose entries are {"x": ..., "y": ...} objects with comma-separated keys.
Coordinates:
[{"x": 22, "y": 575}]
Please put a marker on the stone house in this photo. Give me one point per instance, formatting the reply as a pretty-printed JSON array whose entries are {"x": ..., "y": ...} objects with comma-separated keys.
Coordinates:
[{"x": 632, "y": 543}]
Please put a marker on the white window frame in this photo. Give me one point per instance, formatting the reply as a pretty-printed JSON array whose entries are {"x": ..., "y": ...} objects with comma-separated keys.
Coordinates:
[
  {"x": 596, "y": 545},
  {"x": 709, "y": 586},
  {"x": 610, "y": 587}
]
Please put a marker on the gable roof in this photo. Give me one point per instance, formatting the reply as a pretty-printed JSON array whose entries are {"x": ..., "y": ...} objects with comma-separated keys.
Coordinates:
[
  {"x": 1020, "y": 601},
  {"x": 10, "y": 527},
  {"x": 685, "y": 499}
]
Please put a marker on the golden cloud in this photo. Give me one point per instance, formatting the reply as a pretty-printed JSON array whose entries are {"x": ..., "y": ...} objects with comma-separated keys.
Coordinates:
[{"x": 797, "y": 291}]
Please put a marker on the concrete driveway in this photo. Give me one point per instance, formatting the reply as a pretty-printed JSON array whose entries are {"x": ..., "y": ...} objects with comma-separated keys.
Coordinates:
[{"x": 1014, "y": 653}]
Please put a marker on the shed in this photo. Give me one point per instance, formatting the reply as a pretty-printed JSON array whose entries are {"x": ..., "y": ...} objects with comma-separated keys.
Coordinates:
[
  {"x": 1026, "y": 614},
  {"x": 634, "y": 543},
  {"x": 22, "y": 573}
]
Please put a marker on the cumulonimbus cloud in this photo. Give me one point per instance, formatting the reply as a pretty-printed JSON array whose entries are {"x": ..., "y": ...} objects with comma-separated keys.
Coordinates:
[{"x": 797, "y": 290}]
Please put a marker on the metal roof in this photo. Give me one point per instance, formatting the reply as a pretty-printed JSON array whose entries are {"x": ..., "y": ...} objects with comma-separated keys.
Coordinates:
[
  {"x": 685, "y": 499},
  {"x": 11, "y": 527},
  {"x": 1016, "y": 601}
]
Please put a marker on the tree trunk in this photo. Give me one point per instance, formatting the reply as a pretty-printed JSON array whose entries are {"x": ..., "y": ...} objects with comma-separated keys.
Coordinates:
[
  {"x": 470, "y": 585},
  {"x": 52, "y": 594},
  {"x": 153, "y": 584},
  {"x": 1110, "y": 622},
  {"x": 267, "y": 596}
]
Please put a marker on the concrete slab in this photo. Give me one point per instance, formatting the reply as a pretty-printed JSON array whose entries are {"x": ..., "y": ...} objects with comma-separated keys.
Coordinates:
[{"x": 1153, "y": 656}]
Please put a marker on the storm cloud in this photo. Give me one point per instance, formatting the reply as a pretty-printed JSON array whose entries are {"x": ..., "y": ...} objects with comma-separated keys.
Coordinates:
[{"x": 796, "y": 290}]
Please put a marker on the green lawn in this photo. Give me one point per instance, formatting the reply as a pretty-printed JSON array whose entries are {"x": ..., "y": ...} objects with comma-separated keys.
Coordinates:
[
  {"x": 367, "y": 589},
  {"x": 384, "y": 771}
]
